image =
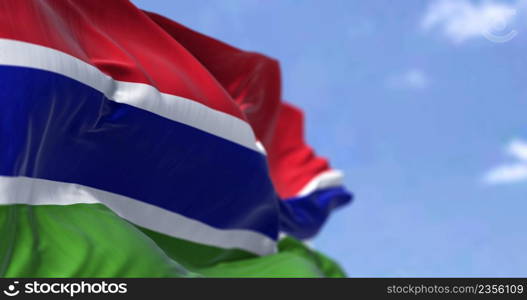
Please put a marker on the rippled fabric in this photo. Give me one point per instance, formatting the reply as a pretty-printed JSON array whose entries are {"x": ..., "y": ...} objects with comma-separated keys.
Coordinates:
[{"x": 133, "y": 146}]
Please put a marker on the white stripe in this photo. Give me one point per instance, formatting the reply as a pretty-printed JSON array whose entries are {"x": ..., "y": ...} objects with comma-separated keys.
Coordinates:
[
  {"x": 323, "y": 180},
  {"x": 140, "y": 95},
  {"x": 23, "y": 190},
  {"x": 261, "y": 147}
]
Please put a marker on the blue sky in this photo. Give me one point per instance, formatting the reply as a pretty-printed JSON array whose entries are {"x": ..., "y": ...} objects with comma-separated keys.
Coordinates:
[{"x": 423, "y": 104}]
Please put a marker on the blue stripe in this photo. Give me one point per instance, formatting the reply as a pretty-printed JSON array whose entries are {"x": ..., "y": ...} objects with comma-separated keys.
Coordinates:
[
  {"x": 303, "y": 217},
  {"x": 53, "y": 127}
]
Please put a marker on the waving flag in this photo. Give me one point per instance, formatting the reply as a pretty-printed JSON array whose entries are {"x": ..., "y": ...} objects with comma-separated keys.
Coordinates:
[{"x": 133, "y": 146}]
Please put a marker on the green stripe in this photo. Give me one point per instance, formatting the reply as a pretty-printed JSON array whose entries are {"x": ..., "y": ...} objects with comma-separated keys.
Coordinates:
[
  {"x": 81, "y": 240},
  {"x": 89, "y": 240},
  {"x": 293, "y": 259},
  {"x": 195, "y": 256}
]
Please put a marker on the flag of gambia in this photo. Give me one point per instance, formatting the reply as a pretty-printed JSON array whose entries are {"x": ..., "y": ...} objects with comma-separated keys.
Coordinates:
[{"x": 131, "y": 146}]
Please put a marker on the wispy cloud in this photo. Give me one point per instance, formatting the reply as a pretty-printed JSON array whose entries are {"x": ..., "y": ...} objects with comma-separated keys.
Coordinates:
[
  {"x": 413, "y": 79},
  {"x": 518, "y": 149},
  {"x": 511, "y": 172},
  {"x": 461, "y": 20}
]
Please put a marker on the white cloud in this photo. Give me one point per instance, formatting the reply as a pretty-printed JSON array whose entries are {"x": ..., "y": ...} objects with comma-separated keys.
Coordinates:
[
  {"x": 507, "y": 174},
  {"x": 461, "y": 20},
  {"x": 512, "y": 172},
  {"x": 413, "y": 79},
  {"x": 518, "y": 149}
]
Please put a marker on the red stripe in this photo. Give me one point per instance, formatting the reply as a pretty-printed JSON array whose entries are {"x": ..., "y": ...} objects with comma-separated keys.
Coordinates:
[
  {"x": 118, "y": 39},
  {"x": 293, "y": 162}
]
